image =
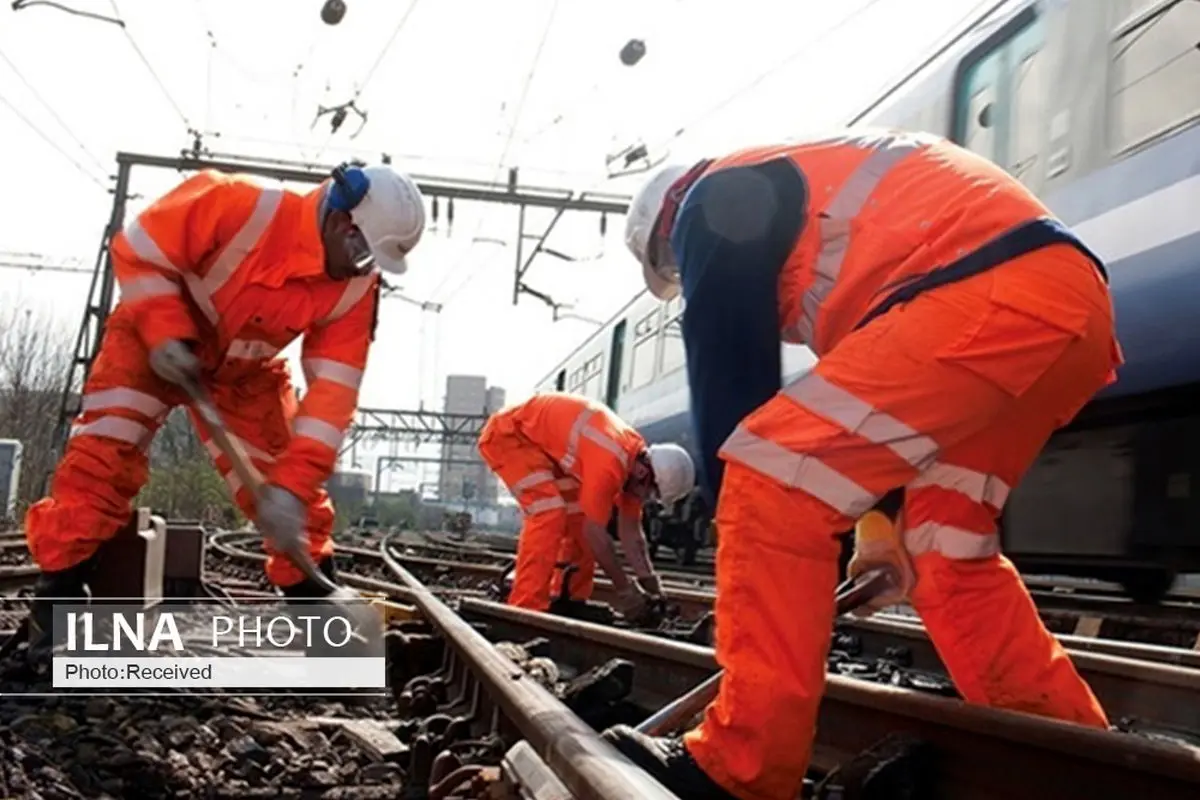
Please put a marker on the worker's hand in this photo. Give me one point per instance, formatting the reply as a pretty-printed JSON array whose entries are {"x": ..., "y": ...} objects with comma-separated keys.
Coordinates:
[
  {"x": 174, "y": 361},
  {"x": 281, "y": 517},
  {"x": 878, "y": 543},
  {"x": 630, "y": 602},
  {"x": 651, "y": 584}
]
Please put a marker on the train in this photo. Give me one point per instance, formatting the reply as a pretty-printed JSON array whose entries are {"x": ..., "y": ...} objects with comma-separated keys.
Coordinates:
[{"x": 1095, "y": 106}]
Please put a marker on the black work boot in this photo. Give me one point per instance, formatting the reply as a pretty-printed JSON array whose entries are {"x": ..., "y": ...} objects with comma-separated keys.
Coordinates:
[
  {"x": 308, "y": 589},
  {"x": 668, "y": 762},
  {"x": 52, "y": 588}
]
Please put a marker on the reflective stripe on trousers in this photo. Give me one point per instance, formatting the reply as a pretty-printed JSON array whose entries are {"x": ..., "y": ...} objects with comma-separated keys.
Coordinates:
[{"x": 808, "y": 473}]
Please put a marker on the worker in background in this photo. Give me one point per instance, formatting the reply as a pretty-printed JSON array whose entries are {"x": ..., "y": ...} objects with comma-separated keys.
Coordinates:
[
  {"x": 568, "y": 461},
  {"x": 957, "y": 325},
  {"x": 216, "y": 278}
]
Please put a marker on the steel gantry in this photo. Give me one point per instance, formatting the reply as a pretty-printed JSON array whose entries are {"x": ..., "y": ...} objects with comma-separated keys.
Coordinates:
[{"x": 423, "y": 425}]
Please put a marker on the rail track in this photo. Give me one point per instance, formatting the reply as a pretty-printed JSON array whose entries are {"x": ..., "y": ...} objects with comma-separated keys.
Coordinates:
[{"x": 496, "y": 698}]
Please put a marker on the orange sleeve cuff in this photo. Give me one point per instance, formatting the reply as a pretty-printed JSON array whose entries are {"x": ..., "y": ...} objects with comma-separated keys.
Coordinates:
[{"x": 163, "y": 318}]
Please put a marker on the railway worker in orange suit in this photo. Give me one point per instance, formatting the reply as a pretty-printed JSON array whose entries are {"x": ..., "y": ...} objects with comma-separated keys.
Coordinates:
[
  {"x": 216, "y": 278},
  {"x": 957, "y": 324},
  {"x": 568, "y": 461}
]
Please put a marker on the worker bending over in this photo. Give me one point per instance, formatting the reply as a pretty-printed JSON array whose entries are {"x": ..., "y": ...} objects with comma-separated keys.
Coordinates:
[
  {"x": 568, "y": 461},
  {"x": 216, "y": 278},
  {"x": 957, "y": 324}
]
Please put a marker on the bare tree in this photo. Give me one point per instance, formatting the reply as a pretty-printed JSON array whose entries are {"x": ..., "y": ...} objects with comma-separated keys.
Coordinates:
[{"x": 35, "y": 355}]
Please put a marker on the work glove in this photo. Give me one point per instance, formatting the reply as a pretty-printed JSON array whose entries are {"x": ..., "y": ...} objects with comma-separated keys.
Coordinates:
[
  {"x": 651, "y": 584},
  {"x": 281, "y": 517},
  {"x": 174, "y": 361},
  {"x": 878, "y": 543},
  {"x": 630, "y": 602}
]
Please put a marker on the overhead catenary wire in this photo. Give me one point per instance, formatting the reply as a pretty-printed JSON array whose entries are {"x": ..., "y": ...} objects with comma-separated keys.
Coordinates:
[
  {"x": 37, "y": 95},
  {"x": 374, "y": 67},
  {"x": 57, "y": 147},
  {"x": 725, "y": 101},
  {"x": 519, "y": 107},
  {"x": 187, "y": 123}
]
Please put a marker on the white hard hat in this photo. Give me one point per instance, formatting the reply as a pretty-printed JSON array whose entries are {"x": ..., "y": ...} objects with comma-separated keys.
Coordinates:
[
  {"x": 674, "y": 472},
  {"x": 391, "y": 217},
  {"x": 639, "y": 227}
]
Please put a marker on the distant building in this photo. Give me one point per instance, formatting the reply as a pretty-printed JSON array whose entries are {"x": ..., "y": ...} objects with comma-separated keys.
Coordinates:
[{"x": 468, "y": 485}]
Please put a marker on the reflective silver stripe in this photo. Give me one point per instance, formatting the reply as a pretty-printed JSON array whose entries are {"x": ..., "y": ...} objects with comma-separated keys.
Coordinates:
[
  {"x": 952, "y": 542},
  {"x": 574, "y": 508},
  {"x": 251, "y": 349},
  {"x": 607, "y": 442},
  {"x": 980, "y": 487},
  {"x": 145, "y": 247},
  {"x": 887, "y": 150},
  {"x": 804, "y": 472},
  {"x": 251, "y": 450},
  {"x": 234, "y": 253},
  {"x": 318, "y": 430},
  {"x": 125, "y": 430},
  {"x": 233, "y": 482},
  {"x": 568, "y": 459},
  {"x": 355, "y": 289},
  {"x": 122, "y": 397},
  {"x": 152, "y": 286},
  {"x": 833, "y": 402},
  {"x": 244, "y": 241},
  {"x": 567, "y": 483},
  {"x": 330, "y": 370},
  {"x": 531, "y": 480},
  {"x": 543, "y": 505}
]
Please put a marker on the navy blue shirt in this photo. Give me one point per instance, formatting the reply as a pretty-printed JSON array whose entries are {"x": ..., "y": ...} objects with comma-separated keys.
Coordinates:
[{"x": 734, "y": 231}]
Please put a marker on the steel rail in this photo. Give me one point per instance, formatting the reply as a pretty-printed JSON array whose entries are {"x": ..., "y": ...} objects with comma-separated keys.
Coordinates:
[
  {"x": 982, "y": 752},
  {"x": 589, "y": 767},
  {"x": 879, "y": 632}
]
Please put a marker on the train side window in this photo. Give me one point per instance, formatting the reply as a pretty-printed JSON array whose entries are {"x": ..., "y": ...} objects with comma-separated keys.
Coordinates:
[
  {"x": 612, "y": 389},
  {"x": 1156, "y": 73},
  {"x": 645, "y": 351},
  {"x": 673, "y": 357},
  {"x": 1001, "y": 109},
  {"x": 1029, "y": 114}
]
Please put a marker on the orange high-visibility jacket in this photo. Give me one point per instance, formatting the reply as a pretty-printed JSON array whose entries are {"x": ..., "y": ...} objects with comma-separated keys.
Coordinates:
[
  {"x": 587, "y": 442},
  {"x": 239, "y": 270},
  {"x": 871, "y": 217},
  {"x": 883, "y": 207}
]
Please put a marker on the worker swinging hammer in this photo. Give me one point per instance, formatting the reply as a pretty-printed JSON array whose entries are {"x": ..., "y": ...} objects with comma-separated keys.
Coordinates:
[
  {"x": 957, "y": 324},
  {"x": 569, "y": 461},
  {"x": 216, "y": 278}
]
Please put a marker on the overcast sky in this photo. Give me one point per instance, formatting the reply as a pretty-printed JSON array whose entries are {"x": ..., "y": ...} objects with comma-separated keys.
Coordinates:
[{"x": 452, "y": 88}]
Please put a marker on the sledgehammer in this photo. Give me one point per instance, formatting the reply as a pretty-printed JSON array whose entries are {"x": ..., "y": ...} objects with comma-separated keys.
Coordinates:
[
  {"x": 253, "y": 480},
  {"x": 851, "y": 595}
]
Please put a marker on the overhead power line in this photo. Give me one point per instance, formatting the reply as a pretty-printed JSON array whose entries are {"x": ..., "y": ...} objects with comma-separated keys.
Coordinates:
[
  {"x": 537, "y": 57},
  {"x": 50, "y": 110},
  {"x": 45, "y": 138},
  {"x": 371, "y": 72},
  {"x": 187, "y": 123}
]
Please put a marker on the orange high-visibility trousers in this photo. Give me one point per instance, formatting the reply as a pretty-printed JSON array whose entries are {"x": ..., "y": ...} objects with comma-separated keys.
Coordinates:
[
  {"x": 951, "y": 395},
  {"x": 552, "y": 528},
  {"x": 105, "y": 463},
  {"x": 574, "y": 552}
]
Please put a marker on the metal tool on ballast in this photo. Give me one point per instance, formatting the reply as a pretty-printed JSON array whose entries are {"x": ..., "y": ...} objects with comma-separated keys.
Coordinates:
[{"x": 851, "y": 595}]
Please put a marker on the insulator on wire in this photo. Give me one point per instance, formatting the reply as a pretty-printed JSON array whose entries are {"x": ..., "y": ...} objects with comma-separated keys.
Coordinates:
[
  {"x": 603, "y": 223},
  {"x": 434, "y": 215},
  {"x": 449, "y": 214}
]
